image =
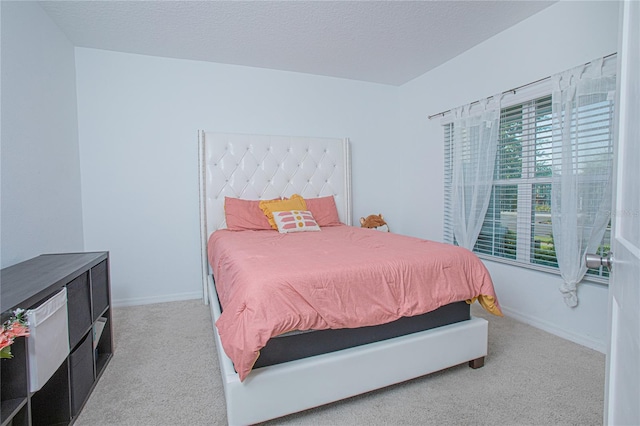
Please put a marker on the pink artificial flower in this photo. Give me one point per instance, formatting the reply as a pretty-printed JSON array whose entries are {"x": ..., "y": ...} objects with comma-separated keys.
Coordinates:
[
  {"x": 17, "y": 329},
  {"x": 16, "y": 326},
  {"x": 5, "y": 340}
]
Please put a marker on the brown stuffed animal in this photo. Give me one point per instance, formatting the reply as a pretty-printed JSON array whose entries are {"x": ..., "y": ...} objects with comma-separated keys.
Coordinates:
[{"x": 374, "y": 221}]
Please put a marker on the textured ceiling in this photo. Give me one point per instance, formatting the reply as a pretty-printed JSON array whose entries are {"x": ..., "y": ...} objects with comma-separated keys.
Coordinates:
[{"x": 389, "y": 42}]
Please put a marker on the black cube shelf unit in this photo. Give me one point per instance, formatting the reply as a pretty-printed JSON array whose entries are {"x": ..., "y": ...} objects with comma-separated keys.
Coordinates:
[{"x": 29, "y": 284}]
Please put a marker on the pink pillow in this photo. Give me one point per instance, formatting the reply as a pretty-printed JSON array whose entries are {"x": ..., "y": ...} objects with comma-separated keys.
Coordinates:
[
  {"x": 324, "y": 210},
  {"x": 242, "y": 215},
  {"x": 295, "y": 221}
]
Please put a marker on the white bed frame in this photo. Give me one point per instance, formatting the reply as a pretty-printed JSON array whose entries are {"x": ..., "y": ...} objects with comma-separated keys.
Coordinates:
[{"x": 265, "y": 167}]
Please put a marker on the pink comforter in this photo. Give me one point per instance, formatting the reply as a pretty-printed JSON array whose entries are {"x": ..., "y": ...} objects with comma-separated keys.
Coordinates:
[{"x": 341, "y": 277}]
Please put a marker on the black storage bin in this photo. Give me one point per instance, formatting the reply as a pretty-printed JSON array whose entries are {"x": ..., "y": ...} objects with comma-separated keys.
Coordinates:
[
  {"x": 50, "y": 405},
  {"x": 81, "y": 372},
  {"x": 99, "y": 288},
  {"x": 79, "y": 308}
]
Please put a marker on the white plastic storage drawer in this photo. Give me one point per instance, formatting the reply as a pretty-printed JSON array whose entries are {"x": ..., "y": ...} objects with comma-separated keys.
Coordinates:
[{"x": 48, "y": 342}]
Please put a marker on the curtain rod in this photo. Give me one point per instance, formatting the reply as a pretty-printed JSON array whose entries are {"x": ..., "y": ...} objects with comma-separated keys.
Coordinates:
[{"x": 513, "y": 91}]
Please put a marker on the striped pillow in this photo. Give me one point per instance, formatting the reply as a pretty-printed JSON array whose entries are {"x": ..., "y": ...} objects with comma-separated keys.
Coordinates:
[{"x": 295, "y": 221}]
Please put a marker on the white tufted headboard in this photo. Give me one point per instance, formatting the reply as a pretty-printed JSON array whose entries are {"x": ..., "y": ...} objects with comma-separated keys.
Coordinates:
[{"x": 258, "y": 167}]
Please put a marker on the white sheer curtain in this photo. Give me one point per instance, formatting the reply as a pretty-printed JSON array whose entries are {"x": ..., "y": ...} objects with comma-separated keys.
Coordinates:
[
  {"x": 582, "y": 99},
  {"x": 475, "y": 140}
]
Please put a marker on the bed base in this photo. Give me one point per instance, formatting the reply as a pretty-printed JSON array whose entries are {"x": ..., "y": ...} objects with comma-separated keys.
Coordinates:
[{"x": 275, "y": 391}]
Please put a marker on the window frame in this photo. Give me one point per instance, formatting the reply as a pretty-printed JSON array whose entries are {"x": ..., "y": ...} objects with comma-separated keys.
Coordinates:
[{"x": 524, "y": 221}]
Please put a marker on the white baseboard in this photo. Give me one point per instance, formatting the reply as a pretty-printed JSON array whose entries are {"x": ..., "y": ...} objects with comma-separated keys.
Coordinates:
[
  {"x": 117, "y": 303},
  {"x": 594, "y": 344}
]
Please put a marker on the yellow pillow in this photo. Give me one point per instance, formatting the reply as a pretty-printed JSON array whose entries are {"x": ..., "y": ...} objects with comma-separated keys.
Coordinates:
[{"x": 296, "y": 202}]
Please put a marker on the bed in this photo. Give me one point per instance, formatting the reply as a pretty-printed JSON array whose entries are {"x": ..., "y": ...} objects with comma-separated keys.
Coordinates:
[{"x": 259, "y": 167}]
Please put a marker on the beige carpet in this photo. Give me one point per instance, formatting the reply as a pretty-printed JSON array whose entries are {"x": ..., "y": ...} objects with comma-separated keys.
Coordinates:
[{"x": 165, "y": 372}]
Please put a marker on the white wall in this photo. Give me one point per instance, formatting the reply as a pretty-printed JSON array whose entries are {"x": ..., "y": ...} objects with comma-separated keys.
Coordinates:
[
  {"x": 560, "y": 37},
  {"x": 138, "y": 121},
  {"x": 41, "y": 205},
  {"x": 138, "y": 118}
]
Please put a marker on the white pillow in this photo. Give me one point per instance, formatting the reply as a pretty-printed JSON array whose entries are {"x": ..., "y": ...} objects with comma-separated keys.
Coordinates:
[{"x": 295, "y": 221}]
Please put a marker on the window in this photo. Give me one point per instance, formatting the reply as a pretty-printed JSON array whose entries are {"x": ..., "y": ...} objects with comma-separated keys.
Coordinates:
[{"x": 517, "y": 226}]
